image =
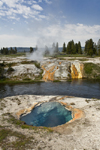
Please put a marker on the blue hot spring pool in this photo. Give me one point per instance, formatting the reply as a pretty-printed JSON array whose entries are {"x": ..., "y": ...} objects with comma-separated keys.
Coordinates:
[{"x": 48, "y": 114}]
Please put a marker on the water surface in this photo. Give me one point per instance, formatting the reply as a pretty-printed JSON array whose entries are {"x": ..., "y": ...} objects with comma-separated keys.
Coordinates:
[
  {"x": 49, "y": 114},
  {"x": 78, "y": 88}
]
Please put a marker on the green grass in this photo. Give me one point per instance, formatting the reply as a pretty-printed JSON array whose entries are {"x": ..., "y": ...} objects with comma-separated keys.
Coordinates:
[
  {"x": 71, "y": 55},
  {"x": 32, "y": 62},
  {"x": 14, "y": 55},
  {"x": 92, "y": 70},
  {"x": 27, "y": 62},
  {"x": 37, "y": 65},
  {"x": 88, "y": 68},
  {"x": 56, "y": 81},
  {"x": 10, "y": 64},
  {"x": 3, "y": 134},
  {"x": 27, "y": 80},
  {"x": 21, "y": 142},
  {"x": 83, "y": 59},
  {"x": 39, "y": 78},
  {"x": 1, "y": 99}
]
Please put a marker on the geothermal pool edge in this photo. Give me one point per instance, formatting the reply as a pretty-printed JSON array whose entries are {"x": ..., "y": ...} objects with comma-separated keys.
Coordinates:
[{"x": 76, "y": 113}]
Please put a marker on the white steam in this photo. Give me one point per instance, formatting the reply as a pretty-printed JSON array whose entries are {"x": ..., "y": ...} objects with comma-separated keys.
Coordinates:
[{"x": 42, "y": 43}]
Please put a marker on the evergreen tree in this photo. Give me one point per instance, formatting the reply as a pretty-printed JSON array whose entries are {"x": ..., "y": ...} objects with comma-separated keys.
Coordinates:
[
  {"x": 31, "y": 49},
  {"x": 2, "y": 70},
  {"x": 46, "y": 53},
  {"x": 79, "y": 48},
  {"x": 76, "y": 48},
  {"x": 95, "y": 49},
  {"x": 68, "y": 49},
  {"x": 98, "y": 47},
  {"x": 64, "y": 48},
  {"x": 1, "y": 51},
  {"x": 11, "y": 50},
  {"x": 15, "y": 50},
  {"x": 99, "y": 52},
  {"x": 85, "y": 49},
  {"x": 5, "y": 51},
  {"x": 71, "y": 49},
  {"x": 56, "y": 48},
  {"x": 90, "y": 48},
  {"x": 53, "y": 46}
]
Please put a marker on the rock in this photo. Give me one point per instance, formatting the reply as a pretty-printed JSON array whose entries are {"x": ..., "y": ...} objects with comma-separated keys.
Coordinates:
[
  {"x": 25, "y": 71},
  {"x": 77, "y": 70},
  {"x": 53, "y": 69},
  {"x": 62, "y": 73},
  {"x": 79, "y": 134},
  {"x": 62, "y": 70}
]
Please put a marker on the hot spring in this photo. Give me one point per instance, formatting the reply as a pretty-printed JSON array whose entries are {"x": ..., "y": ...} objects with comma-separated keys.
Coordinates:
[{"x": 48, "y": 114}]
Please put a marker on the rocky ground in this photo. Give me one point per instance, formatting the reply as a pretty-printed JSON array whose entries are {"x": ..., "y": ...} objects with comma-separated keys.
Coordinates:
[
  {"x": 50, "y": 69},
  {"x": 81, "y": 134}
]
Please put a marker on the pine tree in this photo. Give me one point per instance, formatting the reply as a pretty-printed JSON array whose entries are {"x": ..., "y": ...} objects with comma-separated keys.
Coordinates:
[
  {"x": 64, "y": 48},
  {"x": 56, "y": 48},
  {"x": 90, "y": 47},
  {"x": 73, "y": 47},
  {"x": 53, "y": 47},
  {"x": 68, "y": 50},
  {"x": 76, "y": 48},
  {"x": 99, "y": 52},
  {"x": 31, "y": 49},
  {"x": 86, "y": 46},
  {"x": 46, "y": 53},
  {"x": 98, "y": 47},
  {"x": 11, "y": 50},
  {"x": 79, "y": 48},
  {"x": 15, "y": 50},
  {"x": 95, "y": 49},
  {"x": 1, "y": 71}
]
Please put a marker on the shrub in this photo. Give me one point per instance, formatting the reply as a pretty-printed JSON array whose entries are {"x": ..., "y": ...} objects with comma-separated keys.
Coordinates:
[
  {"x": 88, "y": 67},
  {"x": 10, "y": 69},
  {"x": 92, "y": 70},
  {"x": 2, "y": 72}
]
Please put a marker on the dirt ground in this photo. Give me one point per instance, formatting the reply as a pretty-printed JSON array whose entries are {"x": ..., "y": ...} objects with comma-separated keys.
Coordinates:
[{"x": 81, "y": 134}]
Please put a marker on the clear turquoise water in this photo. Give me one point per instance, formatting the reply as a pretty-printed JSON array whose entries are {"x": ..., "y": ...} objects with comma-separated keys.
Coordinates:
[{"x": 49, "y": 114}]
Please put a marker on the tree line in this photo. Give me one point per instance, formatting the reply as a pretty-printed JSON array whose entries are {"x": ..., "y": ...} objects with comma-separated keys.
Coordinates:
[
  {"x": 91, "y": 48},
  {"x": 72, "y": 48},
  {"x": 6, "y": 51}
]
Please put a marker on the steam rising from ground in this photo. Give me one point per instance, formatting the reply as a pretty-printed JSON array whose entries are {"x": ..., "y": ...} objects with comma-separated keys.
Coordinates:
[
  {"x": 43, "y": 45},
  {"x": 36, "y": 55}
]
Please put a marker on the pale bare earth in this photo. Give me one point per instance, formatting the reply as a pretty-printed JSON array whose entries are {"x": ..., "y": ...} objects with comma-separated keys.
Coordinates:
[
  {"x": 81, "y": 134},
  {"x": 19, "y": 59},
  {"x": 60, "y": 69},
  {"x": 12, "y": 59},
  {"x": 95, "y": 60}
]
